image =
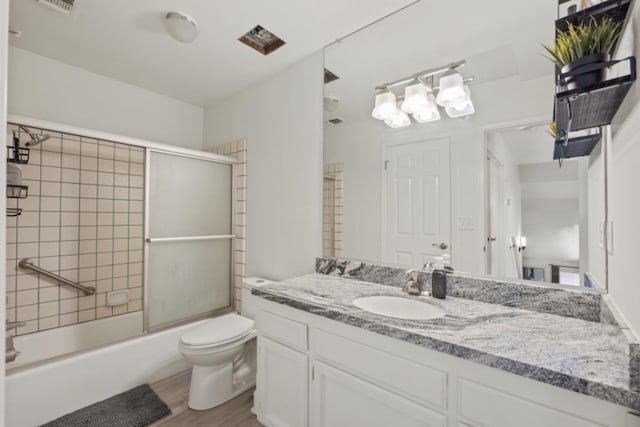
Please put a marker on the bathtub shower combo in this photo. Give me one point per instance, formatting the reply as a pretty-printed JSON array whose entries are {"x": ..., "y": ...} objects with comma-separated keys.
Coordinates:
[{"x": 115, "y": 248}]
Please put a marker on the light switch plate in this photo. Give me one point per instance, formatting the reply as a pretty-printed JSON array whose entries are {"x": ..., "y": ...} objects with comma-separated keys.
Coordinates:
[{"x": 465, "y": 223}]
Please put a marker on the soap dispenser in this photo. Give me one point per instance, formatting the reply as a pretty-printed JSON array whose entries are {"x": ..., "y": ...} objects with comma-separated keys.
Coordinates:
[{"x": 439, "y": 279}]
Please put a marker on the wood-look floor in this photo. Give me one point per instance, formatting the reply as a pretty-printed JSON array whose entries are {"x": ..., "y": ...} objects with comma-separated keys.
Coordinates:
[{"x": 174, "y": 391}]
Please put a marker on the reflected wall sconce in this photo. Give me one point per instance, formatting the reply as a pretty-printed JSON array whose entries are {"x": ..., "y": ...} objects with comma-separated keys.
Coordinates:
[
  {"x": 418, "y": 98},
  {"x": 523, "y": 244}
]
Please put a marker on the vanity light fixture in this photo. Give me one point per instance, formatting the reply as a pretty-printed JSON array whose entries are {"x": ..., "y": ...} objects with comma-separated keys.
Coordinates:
[
  {"x": 398, "y": 119},
  {"x": 415, "y": 97},
  {"x": 463, "y": 107},
  {"x": 419, "y": 100},
  {"x": 385, "y": 105},
  {"x": 451, "y": 89}
]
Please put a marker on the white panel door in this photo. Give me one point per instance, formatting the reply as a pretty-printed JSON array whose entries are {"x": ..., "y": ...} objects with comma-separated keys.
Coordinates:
[
  {"x": 494, "y": 247},
  {"x": 416, "y": 202},
  {"x": 281, "y": 385},
  {"x": 340, "y": 399}
]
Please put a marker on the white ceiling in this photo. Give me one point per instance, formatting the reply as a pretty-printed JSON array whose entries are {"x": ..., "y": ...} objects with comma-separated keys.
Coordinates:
[
  {"x": 500, "y": 39},
  {"x": 126, "y": 39}
]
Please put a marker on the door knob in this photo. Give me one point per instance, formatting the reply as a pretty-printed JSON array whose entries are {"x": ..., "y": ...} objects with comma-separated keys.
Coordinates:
[
  {"x": 442, "y": 245},
  {"x": 491, "y": 239}
]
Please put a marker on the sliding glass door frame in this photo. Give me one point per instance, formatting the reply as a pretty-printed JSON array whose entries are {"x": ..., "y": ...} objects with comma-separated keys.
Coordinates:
[{"x": 148, "y": 240}]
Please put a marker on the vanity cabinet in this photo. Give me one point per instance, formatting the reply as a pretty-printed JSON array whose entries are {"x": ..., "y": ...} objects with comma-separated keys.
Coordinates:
[
  {"x": 282, "y": 376},
  {"x": 317, "y": 372}
]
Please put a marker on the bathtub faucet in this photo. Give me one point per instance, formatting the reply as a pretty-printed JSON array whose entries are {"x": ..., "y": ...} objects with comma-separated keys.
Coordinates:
[{"x": 10, "y": 353}]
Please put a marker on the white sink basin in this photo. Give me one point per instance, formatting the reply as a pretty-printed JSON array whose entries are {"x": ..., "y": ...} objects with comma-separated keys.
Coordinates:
[{"x": 400, "y": 308}]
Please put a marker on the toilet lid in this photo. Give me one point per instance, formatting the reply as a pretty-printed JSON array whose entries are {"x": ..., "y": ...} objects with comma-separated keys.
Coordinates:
[{"x": 220, "y": 330}]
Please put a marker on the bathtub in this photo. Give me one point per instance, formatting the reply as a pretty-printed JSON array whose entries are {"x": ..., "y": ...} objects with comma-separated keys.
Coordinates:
[
  {"x": 71, "y": 339},
  {"x": 45, "y": 391}
]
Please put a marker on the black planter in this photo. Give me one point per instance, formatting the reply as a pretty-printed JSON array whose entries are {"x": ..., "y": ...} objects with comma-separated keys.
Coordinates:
[{"x": 586, "y": 71}]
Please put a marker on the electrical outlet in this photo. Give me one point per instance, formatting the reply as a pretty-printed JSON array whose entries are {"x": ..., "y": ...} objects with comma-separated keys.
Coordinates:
[{"x": 465, "y": 223}]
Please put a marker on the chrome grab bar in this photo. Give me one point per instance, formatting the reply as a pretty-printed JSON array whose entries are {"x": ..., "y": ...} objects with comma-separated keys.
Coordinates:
[
  {"x": 28, "y": 265},
  {"x": 12, "y": 325}
]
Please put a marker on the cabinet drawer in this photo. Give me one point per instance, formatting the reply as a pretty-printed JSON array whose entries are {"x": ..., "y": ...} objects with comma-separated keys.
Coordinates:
[
  {"x": 410, "y": 379},
  {"x": 283, "y": 330},
  {"x": 485, "y": 406}
]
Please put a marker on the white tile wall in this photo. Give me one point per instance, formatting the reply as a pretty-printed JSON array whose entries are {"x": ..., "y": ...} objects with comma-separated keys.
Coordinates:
[
  {"x": 332, "y": 203},
  {"x": 238, "y": 150},
  {"x": 82, "y": 220}
]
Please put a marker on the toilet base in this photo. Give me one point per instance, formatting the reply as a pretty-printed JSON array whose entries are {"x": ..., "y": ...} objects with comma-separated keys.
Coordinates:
[{"x": 212, "y": 386}]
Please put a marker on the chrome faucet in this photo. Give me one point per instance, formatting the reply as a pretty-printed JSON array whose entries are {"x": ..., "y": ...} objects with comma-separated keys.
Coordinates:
[
  {"x": 10, "y": 353},
  {"x": 412, "y": 283}
]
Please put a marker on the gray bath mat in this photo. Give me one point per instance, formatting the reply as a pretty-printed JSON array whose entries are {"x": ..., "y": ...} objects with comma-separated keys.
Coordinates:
[{"x": 137, "y": 407}]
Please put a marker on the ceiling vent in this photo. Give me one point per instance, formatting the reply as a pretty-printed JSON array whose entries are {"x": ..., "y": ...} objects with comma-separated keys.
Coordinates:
[
  {"x": 262, "y": 40},
  {"x": 335, "y": 121},
  {"x": 329, "y": 76},
  {"x": 61, "y": 6}
]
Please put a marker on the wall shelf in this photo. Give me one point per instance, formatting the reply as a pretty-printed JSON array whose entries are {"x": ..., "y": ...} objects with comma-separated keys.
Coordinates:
[
  {"x": 14, "y": 211},
  {"x": 615, "y": 9},
  {"x": 595, "y": 105},
  {"x": 17, "y": 154},
  {"x": 17, "y": 191},
  {"x": 575, "y": 147}
]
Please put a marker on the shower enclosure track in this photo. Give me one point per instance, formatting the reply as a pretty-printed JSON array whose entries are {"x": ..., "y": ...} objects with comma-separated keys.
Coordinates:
[{"x": 28, "y": 265}]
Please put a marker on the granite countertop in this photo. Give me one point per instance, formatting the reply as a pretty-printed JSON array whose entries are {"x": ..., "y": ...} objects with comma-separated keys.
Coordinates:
[{"x": 586, "y": 357}]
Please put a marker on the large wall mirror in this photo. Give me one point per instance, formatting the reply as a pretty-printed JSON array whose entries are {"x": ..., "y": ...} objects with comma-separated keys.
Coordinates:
[{"x": 484, "y": 188}]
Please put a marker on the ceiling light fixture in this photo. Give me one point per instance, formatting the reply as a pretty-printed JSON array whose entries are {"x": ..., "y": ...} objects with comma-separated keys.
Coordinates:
[
  {"x": 181, "y": 27},
  {"x": 419, "y": 99},
  {"x": 331, "y": 103}
]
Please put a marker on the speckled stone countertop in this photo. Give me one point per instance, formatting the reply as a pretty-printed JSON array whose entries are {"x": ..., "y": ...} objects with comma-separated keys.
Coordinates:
[{"x": 586, "y": 357}]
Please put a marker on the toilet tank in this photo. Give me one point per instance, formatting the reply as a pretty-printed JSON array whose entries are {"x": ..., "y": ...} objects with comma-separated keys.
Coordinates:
[{"x": 248, "y": 300}]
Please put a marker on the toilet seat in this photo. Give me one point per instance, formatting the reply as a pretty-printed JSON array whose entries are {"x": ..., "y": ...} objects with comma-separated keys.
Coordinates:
[{"x": 217, "y": 332}]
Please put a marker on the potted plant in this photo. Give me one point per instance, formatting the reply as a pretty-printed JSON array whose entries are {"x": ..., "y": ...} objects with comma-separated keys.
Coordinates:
[
  {"x": 583, "y": 51},
  {"x": 558, "y": 136}
]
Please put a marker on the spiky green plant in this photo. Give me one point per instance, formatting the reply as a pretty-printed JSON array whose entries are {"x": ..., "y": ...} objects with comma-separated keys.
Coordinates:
[
  {"x": 554, "y": 132},
  {"x": 586, "y": 38}
]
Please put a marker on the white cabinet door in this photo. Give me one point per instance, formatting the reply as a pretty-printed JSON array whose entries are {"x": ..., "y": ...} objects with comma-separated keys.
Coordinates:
[
  {"x": 339, "y": 399},
  {"x": 485, "y": 406},
  {"x": 281, "y": 385}
]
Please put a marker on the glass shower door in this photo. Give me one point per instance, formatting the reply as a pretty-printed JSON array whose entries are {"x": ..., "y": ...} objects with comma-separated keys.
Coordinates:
[{"x": 189, "y": 235}]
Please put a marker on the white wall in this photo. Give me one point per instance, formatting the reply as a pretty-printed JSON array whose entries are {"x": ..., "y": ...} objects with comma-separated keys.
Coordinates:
[
  {"x": 46, "y": 89},
  {"x": 596, "y": 207},
  {"x": 4, "y": 27},
  {"x": 281, "y": 118},
  {"x": 551, "y": 214},
  {"x": 624, "y": 203}
]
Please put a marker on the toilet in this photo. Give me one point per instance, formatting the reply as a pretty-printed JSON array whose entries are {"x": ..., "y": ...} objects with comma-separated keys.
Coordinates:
[{"x": 222, "y": 351}]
